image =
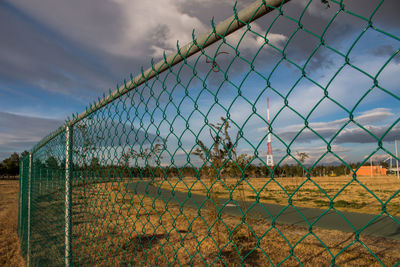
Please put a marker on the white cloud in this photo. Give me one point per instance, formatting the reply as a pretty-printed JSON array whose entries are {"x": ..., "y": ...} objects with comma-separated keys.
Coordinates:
[
  {"x": 163, "y": 22},
  {"x": 253, "y": 41},
  {"x": 370, "y": 116},
  {"x": 314, "y": 154},
  {"x": 7, "y": 138},
  {"x": 351, "y": 134}
]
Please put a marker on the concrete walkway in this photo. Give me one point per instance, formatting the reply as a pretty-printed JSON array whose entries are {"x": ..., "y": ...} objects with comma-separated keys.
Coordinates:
[{"x": 382, "y": 226}]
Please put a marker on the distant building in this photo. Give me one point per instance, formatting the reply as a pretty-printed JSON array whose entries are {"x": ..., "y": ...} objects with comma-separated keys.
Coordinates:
[{"x": 376, "y": 170}]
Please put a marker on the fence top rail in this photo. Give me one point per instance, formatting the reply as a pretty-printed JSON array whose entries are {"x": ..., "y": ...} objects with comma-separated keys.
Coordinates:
[{"x": 248, "y": 14}]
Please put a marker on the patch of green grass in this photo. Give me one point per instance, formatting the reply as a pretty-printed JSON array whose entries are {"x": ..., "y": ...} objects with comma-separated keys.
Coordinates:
[
  {"x": 346, "y": 204},
  {"x": 316, "y": 192},
  {"x": 321, "y": 203},
  {"x": 304, "y": 199},
  {"x": 341, "y": 204}
]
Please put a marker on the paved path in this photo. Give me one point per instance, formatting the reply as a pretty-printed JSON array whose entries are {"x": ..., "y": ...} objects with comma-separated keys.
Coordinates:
[{"x": 382, "y": 226}]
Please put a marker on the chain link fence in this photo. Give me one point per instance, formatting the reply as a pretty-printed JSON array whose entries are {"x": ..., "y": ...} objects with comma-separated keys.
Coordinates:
[{"x": 171, "y": 168}]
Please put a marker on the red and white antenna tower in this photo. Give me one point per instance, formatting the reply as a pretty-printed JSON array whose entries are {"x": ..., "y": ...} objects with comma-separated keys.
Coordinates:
[{"x": 270, "y": 158}]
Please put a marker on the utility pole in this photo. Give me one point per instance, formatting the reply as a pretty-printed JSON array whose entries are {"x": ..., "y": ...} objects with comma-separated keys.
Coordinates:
[
  {"x": 391, "y": 163},
  {"x": 370, "y": 159}
]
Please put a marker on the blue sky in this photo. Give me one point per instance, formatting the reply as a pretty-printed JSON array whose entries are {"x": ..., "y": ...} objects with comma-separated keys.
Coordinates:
[{"x": 59, "y": 56}]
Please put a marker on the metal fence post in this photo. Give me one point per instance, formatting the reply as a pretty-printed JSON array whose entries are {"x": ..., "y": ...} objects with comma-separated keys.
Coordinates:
[
  {"x": 21, "y": 175},
  {"x": 68, "y": 171},
  {"x": 29, "y": 210}
]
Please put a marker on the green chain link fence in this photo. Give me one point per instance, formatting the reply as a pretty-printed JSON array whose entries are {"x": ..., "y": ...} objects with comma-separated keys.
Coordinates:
[{"x": 170, "y": 169}]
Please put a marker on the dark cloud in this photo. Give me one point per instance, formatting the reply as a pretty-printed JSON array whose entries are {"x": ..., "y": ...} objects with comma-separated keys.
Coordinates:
[
  {"x": 321, "y": 21},
  {"x": 386, "y": 50},
  {"x": 88, "y": 25},
  {"x": 208, "y": 10},
  {"x": 38, "y": 55},
  {"x": 317, "y": 22},
  {"x": 106, "y": 133},
  {"x": 31, "y": 55},
  {"x": 73, "y": 60},
  {"x": 12, "y": 123},
  {"x": 358, "y": 135},
  {"x": 18, "y": 133}
]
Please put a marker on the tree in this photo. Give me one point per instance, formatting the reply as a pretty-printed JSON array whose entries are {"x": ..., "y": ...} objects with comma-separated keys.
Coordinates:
[
  {"x": 2, "y": 169},
  {"x": 52, "y": 163},
  {"x": 94, "y": 163},
  {"x": 83, "y": 152},
  {"x": 11, "y": 165},
  {"x": 223, "y": 149},
  {"x": 87, "y": 146},
  {"x": 223, "y": 159},
  {"x": 23, "y": 154},
  {"x": 147, "y": 154},
  {"x": 302, "y": 156},
  {"x": 216, "y": 156}
]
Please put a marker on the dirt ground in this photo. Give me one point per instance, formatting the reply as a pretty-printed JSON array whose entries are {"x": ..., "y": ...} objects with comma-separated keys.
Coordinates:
[{"x": 9, "y": 243}]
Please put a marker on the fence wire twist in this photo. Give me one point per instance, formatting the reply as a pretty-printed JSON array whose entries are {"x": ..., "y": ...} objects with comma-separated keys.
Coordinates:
[{"x": 172, "y": 170}]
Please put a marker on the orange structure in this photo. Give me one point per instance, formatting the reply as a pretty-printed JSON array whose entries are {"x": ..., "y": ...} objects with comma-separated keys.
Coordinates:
[{"x": 374, "y": 170}]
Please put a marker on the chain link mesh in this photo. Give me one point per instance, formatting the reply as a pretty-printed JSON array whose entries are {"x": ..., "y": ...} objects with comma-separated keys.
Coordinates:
[{"x": 174, "y": 171}]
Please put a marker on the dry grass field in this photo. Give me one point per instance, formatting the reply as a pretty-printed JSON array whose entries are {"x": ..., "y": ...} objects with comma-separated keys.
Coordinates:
[
  {"x": 9, "y": 243},
  {"x": 114, "y": 227},
  {"x": 350, "y": 195}
]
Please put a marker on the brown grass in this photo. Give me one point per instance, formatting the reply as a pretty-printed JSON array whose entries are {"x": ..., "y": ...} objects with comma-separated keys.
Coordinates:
[
  {"x": 9, "y": 243},
  {"x": 114, "y": 227},
  {"x": 353, "y": 197}
]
